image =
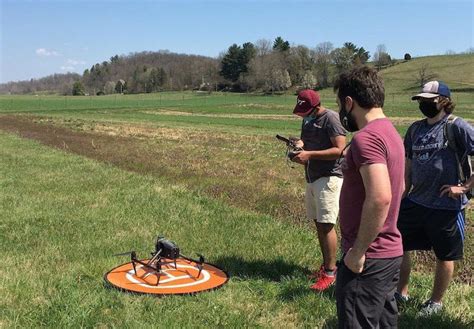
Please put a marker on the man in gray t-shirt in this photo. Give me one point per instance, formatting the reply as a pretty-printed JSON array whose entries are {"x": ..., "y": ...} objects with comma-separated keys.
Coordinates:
[{"x": 323, "y": 141}]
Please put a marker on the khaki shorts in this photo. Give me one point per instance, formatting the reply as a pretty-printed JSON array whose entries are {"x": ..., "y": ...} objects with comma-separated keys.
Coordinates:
[{"x": 322, "y": 199}]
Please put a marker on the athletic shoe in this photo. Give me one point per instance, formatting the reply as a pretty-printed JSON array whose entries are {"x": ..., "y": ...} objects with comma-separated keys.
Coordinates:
[
  {"x": 324, "y": 280},
  {"x": 401, "y": 299},
  {"x": 429, "y": 308},
  {"x": 316, "y": 274}
]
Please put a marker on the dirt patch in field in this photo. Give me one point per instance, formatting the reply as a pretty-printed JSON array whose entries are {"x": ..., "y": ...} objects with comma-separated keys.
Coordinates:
[
  {"x": 230, "y": 116},
  {"x": 251, "y": 106},
  {"x": 220, "y": 165},
  {"x": 249, "y": 172}
]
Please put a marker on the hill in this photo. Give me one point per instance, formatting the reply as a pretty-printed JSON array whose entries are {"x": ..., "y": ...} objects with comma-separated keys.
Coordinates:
[
  {"x": 455, "y": 70},
  {"x": 147, "y": 72}
]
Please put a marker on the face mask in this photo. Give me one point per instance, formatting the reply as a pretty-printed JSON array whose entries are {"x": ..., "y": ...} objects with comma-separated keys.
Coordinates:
[
  {"x": 347, "y": 120},
  {"x": 308, "y": 119},
  {"x": 429, "y": 109}
]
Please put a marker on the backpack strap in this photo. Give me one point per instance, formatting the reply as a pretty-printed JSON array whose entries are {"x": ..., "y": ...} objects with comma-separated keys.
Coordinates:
[
  {"x": 464, "y": 163},
  {"x": 450, "y": 141}
]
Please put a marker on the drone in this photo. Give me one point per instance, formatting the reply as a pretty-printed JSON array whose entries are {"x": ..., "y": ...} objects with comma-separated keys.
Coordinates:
[
  {"x": 291, "y": 149},
  {"x": 166, "y": 253}
]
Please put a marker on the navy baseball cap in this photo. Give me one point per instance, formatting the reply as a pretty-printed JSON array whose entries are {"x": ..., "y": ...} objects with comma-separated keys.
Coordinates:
[{"x": 433, "y": 89}]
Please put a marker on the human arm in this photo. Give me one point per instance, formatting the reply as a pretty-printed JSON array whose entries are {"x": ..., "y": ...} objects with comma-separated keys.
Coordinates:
[
  {"x": 407, "y": 177},
  {"x": 464, "y": 141},
  {"x": 332, "y": 153},
  {"x": 378, "y": 196},
  {"x": 456, "y": 192}
]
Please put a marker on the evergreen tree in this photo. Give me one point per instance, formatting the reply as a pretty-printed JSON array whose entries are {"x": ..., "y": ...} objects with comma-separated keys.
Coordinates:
[
  {"x": 231, "y": 64},
  {"x": 77, "y": 89},
  {"x": 236, "y": 61},
  {"x": 281, "y": 45}
]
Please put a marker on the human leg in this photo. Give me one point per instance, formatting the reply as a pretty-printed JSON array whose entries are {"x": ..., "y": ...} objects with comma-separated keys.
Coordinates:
[
  {"x": 446, "y": 231},
  {"x": 405, "y": 269},
  {"x": 328, "y": 242},
  {"x": 443, "y": 275},
  {"x": 325, "y": 201},
  {"x": 411, "y": 226}
]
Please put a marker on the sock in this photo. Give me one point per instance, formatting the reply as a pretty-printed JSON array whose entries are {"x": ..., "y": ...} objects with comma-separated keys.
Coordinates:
[{"x": 330, "y": 272}]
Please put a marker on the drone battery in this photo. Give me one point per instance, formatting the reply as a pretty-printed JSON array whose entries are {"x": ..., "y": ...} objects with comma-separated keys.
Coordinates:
[{"x": 168, "y": 249}]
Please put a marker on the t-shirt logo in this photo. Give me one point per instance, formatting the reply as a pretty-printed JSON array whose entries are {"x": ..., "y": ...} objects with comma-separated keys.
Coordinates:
[{"x": 428, "y": 144}]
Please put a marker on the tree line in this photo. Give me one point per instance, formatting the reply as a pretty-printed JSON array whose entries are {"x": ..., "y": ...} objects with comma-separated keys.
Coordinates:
[{"x": 265, "y": 65}]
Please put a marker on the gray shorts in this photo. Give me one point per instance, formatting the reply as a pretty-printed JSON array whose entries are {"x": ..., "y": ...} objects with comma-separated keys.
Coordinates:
[{"x": 367, "y": 300}]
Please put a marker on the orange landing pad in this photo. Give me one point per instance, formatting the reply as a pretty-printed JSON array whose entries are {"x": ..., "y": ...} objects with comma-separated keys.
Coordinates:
[{"x": 173, "y": 281}]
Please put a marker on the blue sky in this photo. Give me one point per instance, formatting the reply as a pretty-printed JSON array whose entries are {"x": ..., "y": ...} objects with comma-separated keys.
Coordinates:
[{"x": 39, "y": 38}]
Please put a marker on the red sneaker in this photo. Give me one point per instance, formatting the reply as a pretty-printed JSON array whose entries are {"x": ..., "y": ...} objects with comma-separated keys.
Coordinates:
[
  {"x": 316, "y": 274},
  {"x": 324, "y": 281}
]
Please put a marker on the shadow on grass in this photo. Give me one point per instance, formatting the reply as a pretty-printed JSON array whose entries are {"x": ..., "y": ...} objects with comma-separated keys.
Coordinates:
[
  {"x": 330, "y": 323},
  {"x": 272, "y": 269},
  {"x": 291, "y": 293},
  {"x": 441, "y": 321},
  {"x": 414, "y": 322}
]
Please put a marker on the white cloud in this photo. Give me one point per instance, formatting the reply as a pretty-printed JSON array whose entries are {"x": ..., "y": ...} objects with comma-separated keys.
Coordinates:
[
  {"x": 68, "y": 68},
  {"x": 45, "y": 52},
  {"x": 75, "y": 62}
]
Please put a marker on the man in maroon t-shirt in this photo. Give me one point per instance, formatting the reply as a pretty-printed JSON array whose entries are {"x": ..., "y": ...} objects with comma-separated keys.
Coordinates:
[{"x": 373, "y": 172}]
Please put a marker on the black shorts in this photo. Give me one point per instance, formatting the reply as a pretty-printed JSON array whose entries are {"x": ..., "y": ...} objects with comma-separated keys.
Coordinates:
[
  {"x": 367, "y": 300},
  {"x": 425, "y": 228}
]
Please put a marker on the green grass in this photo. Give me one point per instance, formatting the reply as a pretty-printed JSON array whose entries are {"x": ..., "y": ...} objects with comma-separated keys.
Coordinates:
[
  {"x": 400, "y": 85},
  {"x": 455, "y": 70},
  {"x": 397, "y": 102},
  {"x": 63, "y": 217},
  {"x": 204, "y": 170}
]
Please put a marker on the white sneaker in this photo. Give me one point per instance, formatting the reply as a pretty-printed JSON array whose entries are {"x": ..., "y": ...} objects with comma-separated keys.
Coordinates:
[{"x": 430, "y": 308}]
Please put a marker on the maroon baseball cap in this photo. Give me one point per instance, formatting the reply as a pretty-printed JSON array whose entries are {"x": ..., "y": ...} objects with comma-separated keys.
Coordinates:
[{"x": 307, "y": 100}]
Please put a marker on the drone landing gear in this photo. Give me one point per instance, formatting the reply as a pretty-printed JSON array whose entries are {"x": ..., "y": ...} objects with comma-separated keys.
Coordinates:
[{"x": 166, "y": 253}]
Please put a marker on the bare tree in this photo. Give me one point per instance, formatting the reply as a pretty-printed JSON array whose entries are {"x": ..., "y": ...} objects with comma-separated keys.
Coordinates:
[
  {"x": 381, "y": 57},
  {"x": 264, "y": 47},
  {"x": 424, "y": 74},
  {"x": 322, "y": 59},
  {"x": 469, "y": 51},
  {"x": 298, "y": 63}
]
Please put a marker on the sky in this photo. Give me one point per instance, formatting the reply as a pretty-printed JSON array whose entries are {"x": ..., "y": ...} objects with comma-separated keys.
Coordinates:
[{"x": 39, "y": 38}]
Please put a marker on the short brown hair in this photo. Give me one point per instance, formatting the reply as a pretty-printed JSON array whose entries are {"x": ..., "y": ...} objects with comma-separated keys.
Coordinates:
[{"x": 363, "y": 84}]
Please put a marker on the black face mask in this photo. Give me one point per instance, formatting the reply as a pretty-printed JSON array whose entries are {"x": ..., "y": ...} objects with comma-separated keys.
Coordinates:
[
  {"x": 347, "y": 120},
  {"x": 428, "y": 109}
]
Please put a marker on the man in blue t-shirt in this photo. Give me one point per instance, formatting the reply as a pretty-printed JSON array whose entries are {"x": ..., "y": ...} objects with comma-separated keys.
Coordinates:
[{"x": 432, "y": 213}]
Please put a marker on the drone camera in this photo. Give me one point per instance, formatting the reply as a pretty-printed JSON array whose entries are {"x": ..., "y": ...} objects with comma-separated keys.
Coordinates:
[{"x": 168, "y": 248}]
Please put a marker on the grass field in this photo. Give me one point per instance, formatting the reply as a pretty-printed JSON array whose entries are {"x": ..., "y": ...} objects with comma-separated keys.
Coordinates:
[{"x": 84, "y": 178}]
